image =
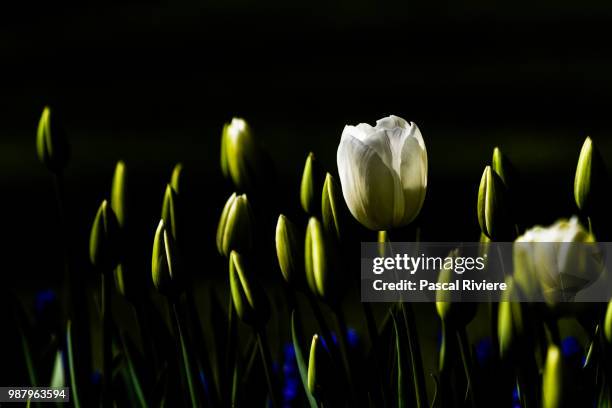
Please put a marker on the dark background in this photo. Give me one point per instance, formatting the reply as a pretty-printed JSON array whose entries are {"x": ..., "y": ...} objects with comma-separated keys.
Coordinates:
[{"x": 153, "y": 82}]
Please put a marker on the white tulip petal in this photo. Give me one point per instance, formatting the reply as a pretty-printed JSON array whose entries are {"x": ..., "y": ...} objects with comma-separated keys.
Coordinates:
[
  {"x": 367, "y": 183},
  {"x": 413, "y": 176}
]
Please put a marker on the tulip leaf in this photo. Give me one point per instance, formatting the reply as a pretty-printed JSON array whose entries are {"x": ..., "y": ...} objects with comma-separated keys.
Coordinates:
[
  {"x": 299, "y": 356},
  {"x": 27, "y": 354},
  {"x": 186, "y": 358},
  {"x": 74, "y": 390},
  {"x": 132, "y": 373}
]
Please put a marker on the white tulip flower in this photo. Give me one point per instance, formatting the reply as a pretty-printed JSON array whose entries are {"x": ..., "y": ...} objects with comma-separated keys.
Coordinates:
[
  {"x": 557, "y": 261},
  {"x": 383, "y": 172}
]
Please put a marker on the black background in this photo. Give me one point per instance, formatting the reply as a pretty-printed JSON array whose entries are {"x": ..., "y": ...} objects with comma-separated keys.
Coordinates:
[{"x": 153, "y": 82}]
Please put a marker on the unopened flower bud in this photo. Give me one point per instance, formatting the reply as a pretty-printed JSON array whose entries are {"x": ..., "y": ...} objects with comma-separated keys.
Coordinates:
[
  {"x": 504, "y": 168},
  {"x": 590, "y": 183},
  {"x": 165, "y": 263},
  {"x": 331, "y": 207},
  {"x": 510, "y": 322},
  {"x": 552, "y": 380},
  {"x": 319, "y": 263},
  {"x": 493, "y": 211},
  {"x": 321, "y": 382},
  {"x": 249, "y": 299},
  {"x": 51, "y": 144},
  {"x": 312, "y": 179},
  {"x": 242, "y": 159},
  {"x": 170, "y": 211},
  {"x": 119, "y": 192},
  {"x": 235, "y": 229},
  {"x": 289, "y": 250},
  {"x": 456, "y": 314},
  {"x": 105, "y": 239},
  {"x": 176, "y": 177}
]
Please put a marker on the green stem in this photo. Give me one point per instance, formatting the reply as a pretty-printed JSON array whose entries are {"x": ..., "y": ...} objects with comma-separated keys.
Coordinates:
[
  {"x": 264, "y": 349},
  {"x": 231, "y": 355},
  {"x": 342, "y": 330},
  {"x": 325, "y": 330},
  {"x": 185, "y": 352},
  {"x": 203, "y": 358},
  {"x": 466, "y": 358},
  {"x": 415, "y": 356},
  {"x": 107, "y": 340}
]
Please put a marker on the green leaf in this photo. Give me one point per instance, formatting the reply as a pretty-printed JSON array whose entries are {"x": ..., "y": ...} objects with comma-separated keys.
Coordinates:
[
  {"x": 299, "y": 356},
  {"x": 27, "y": 354},
  {"x": 187, "y": 359},
  {"x": 135, "y": 383},
  {"x": 74, "y": 390}
]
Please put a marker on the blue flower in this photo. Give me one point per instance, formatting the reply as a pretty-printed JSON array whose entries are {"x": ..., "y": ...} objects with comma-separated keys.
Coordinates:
[{"x": 291, "y": 380}]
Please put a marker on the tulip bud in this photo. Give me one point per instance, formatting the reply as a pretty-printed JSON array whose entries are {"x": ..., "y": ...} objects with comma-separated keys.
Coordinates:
[
  {"x": 176, "y": 177},
  {"x": 51, "y": 144},
  {"x": 456, "y": 314},
  {"x": 318, "y": 262},
  {"x": 311, "y": 185},
  {"x": 170, "y": 211},
  {"x": 104, "y": 240},
  {"x": 242, "y": 159},
  {"x": 250, "y": 300},
  {"x": 608, "y": 323},
  {"x": 590, "y": 183},
  {"x": 289, "y": 250},
  {"x": 330, "y": 207},
  {"x": 510, "y": 324},
  {"x": 504, "y": 168},
  {"x": 493, "y": 212},
  {"x": 165, "y": 262},
  {"x": 235, "y": 229},
  {"x": 119, "y": 193},
  {"x": 552, "y": 380},
  {"x": 320, "y": 367}
]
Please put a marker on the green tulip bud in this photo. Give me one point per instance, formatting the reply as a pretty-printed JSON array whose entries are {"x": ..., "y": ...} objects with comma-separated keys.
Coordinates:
[
  {"x": 104, "y": 240},
  {"x": 320, "y": 371},
  {"x": 493, "y": 213},
  {"x": 176, "y": 177},
  {"x": 317, "y": 261},
  {"x": 510, "y": 322},
  {"x": 51, "y": 144},
  {"x": 455, "y": 314},
  {"x": 119, "y": 192},
  {"x": 235, "y": 229},
  {"x": 608, "y": 323},
  {"x": 289, "y": 250},
  {"x": 170, "y": 211},
  {"x": 552, "y": 380},
  {"x": 165, "y": 262},
  {"x": 311, "y": 185},
  {"x": 331, "y": 202},
  {"x": 590, "y": 183},
  {"x": 249, "y": 299},
  {"x": 504, "y": 168},
  {"x": 242, "y": 159}
]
